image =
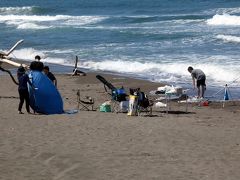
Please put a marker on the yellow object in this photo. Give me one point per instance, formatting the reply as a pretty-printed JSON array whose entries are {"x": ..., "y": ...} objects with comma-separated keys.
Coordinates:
[{"x": 132, "y": 109}]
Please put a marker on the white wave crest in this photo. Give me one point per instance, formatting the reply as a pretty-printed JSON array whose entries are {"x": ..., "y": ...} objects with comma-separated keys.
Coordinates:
[
  {"x": 220, "y": 74},
  {"x": 16, "y": 10},
  {"x": 32, "y": 26},
  {"x": 217, "y": 73},
  {"x": 27, "y": 54},
  {"x": 224, "y": 20},
  {"x": 228, "y": 38},
  {"x": 35, "y": 18},
  {"x": 43, "y": 22},
  {"x": 119, "y": 66},
  {"x": 235, "y": 10}
]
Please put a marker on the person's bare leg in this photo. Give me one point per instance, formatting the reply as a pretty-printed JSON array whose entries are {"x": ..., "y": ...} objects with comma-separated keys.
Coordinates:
[
  {"x": 203, "y": 90},
  {"x": 199, "y": 92}
]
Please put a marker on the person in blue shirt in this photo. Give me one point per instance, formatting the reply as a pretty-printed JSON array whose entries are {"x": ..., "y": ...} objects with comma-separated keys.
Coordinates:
[{"x": 23, "y": 80}]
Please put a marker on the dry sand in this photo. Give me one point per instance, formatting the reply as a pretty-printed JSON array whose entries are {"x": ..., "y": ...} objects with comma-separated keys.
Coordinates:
[{"x": 203, "y": 144}]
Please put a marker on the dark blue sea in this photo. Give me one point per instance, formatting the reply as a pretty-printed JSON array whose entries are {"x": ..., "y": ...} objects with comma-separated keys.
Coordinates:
[{"x": 150, "y": 39}]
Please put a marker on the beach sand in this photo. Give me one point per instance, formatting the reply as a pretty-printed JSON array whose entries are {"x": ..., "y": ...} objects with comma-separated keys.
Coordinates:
[{"x": 201, "y": 144}]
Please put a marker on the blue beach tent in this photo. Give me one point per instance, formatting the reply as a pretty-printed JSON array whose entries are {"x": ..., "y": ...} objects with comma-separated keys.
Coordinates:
[{"x": 45, "y": 98}]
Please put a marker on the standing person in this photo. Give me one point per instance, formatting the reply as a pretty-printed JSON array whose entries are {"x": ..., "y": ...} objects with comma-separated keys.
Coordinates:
[
  {"x": 37, "y": 58},
  {"x": 199, "y": 76},
  {"x": 37, "y": 65},
  {"x": 23, "y": 79},
  {"x": 50, "y": 75}
]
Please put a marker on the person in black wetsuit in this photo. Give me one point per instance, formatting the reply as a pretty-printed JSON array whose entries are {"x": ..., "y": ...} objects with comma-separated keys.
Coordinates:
[
  {"x": 36, "y": 65},
  {"x": 23, "y": 80},
  {"x": 50, "y": 75}
]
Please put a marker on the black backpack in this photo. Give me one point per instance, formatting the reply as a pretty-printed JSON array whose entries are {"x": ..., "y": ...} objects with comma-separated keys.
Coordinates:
[{"x": 143, "y": 100}]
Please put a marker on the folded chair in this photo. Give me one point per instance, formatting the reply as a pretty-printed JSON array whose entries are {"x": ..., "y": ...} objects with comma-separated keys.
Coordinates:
[
  {"x": 144, "y": 103},
  {"x": 87, "y": 104},
  {"x": 106, "y": 83},
  {"x": 116, "y": 94}
]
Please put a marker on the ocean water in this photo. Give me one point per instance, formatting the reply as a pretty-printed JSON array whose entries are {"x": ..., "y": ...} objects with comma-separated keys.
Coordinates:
[{"x": 150, "y": 39}]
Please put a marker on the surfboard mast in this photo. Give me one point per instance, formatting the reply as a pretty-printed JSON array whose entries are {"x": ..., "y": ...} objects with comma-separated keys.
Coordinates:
[{"x": 14, "y": 47}]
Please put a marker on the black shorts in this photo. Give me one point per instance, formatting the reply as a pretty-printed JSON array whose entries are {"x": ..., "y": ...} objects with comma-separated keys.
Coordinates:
[{"x": 201, "y": 82}]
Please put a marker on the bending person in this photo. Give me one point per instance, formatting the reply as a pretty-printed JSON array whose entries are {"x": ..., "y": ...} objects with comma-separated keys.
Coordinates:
[{"x": 198, "y": 78}]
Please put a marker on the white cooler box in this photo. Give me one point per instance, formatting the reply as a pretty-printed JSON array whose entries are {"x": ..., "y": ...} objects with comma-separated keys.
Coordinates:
[{"x": 123, "y": 106}]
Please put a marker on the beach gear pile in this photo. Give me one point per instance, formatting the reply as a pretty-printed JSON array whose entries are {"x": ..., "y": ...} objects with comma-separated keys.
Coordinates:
[
  {"x": 167, "y": 93},
  {"x": 120, "y": 101},
  {"x": 136, "y": 102},
  {"x": 169, "y": 90}
]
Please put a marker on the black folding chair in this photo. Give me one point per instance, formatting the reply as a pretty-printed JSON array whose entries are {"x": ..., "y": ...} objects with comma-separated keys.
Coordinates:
[
  {"x": 87, "y": 104},
  {"x": 116, "y": 95},
  {"x": 144, "y": 103}
]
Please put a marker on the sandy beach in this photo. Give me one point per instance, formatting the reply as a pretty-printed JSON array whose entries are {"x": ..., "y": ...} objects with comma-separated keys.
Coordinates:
[{"x": 203, "y": 144}]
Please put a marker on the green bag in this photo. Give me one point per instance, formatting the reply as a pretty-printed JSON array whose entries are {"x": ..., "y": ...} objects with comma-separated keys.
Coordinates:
[{"x": 105, "y": 108}]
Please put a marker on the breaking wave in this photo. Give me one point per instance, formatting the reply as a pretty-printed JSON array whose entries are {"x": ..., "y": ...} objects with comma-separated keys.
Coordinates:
[
  {"x": 54, "y": 21},
  {"x": 20, "y": 10},
  {"x": 224, "y": 20},
  {"x": 229, "y": 38},
  {"x": 170, "y": 72},
  {"x": 174, "y": 72},
  {"x": 235, "y": 10},
  {"x": 28, "y": 54},
  {"x": 31, "y": 26},
  {"x": 43, "y": 22}
]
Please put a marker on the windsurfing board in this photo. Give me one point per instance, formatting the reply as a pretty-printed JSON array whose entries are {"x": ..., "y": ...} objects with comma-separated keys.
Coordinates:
[{"x": 12, "y": 61}]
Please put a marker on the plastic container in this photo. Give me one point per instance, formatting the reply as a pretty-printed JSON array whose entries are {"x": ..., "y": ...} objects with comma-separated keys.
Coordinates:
[{"x": 124, "y": 106}]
